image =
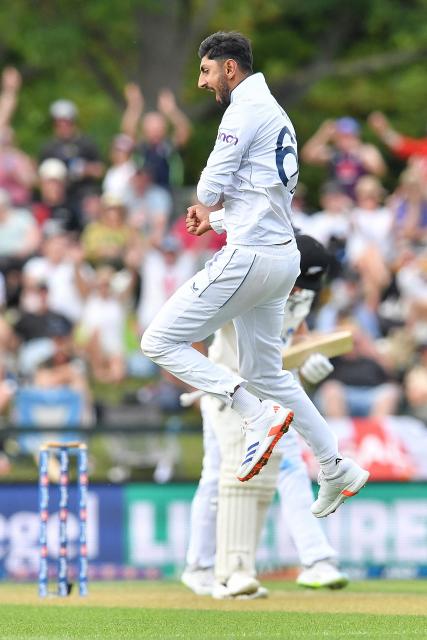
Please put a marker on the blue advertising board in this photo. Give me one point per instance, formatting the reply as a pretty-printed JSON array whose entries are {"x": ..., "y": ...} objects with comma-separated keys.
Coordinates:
[
  {"x": 141, "y": 531},
  {"x": 19, "y": 529}
]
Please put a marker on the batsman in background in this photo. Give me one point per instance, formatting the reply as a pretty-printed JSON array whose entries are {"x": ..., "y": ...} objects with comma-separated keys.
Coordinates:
[{"x": 227, "y": 516}]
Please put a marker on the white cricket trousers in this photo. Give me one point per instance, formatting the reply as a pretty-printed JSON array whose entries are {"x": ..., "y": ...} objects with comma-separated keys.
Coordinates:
[
  {"x": 237, "y": 536},
  {"x": 249, "y": 285}
]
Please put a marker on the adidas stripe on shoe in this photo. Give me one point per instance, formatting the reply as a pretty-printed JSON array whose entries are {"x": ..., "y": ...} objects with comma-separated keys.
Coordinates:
[{"x": 262, "y": 435}]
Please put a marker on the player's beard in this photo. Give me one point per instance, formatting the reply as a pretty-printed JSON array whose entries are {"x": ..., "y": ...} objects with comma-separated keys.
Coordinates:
[{"x": 223, "y": 93}]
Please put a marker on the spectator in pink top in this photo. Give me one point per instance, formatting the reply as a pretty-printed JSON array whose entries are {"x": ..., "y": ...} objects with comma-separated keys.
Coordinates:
[{"x": 17, "y": 170}]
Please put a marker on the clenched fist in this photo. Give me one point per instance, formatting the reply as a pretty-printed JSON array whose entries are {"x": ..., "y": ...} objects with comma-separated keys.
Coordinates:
[{"x": 197, "y": 220}]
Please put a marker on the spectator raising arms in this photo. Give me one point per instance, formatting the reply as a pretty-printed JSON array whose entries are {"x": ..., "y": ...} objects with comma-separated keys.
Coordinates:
[
  {"x": 402, "y": 146},
  {"x": 54, "y": 203},
  {"x": 156, "y": 147},
  {"x": 17, "y": 172},
  {"x": 337, "y": 145},
  {"x": 117, "y": 177},
  {"x": 79, "y": 153}
]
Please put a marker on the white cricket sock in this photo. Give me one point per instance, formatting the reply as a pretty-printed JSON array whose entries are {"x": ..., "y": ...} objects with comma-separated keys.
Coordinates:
[
  {"x": 331, "y": 467},
  {"x": 245, "y": 403}
]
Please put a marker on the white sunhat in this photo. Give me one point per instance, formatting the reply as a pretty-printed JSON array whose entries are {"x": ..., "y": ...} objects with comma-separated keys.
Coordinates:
[
  {"x": 53, "y": 169},
  {"x": 63, "y": 109}
]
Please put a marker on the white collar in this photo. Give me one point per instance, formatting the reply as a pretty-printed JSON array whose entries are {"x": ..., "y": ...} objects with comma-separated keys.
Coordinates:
[{"x": 249, "y": 86}]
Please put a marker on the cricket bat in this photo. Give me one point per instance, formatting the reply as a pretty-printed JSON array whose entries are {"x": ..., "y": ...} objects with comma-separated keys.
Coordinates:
[{"x": 329, "y": 344}]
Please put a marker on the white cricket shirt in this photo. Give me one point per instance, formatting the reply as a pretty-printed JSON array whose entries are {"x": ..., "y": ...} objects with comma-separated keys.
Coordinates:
[{"x": 253, "y": 166}]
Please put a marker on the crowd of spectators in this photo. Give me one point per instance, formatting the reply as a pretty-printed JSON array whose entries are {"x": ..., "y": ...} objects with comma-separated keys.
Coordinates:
[
  {"x": 378, "y": 277},
  {"x": 91, "y": 248}
]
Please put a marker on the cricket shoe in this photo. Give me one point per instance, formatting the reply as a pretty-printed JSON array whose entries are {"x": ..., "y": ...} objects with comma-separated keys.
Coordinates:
[
  {"x": 334, "y": 490},
  {"x": 200, "y": 581},
  {"x": 239, "y": 586},
  {"x": 261, "y": 436},
  {"x": 322, "y": 574}
]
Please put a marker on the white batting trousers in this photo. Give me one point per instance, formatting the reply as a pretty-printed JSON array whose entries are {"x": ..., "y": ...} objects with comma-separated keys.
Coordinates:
[
  {"x": 249, "y": 285},
  {"x": 294, "y": 488},
  {"x": 202, "y": 542},
  {"x": 296, "y": 497}
]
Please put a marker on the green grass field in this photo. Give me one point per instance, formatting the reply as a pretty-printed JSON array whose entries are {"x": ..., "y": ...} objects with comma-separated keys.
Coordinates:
[{"x": 161, "y": 610}]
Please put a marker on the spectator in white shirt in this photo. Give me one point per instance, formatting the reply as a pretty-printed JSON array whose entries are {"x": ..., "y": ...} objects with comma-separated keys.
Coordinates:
[
  {"x": 19, "y": 234},
  {"x": 149, "y": 206},
  {"x": 61, "y": 267},
  {"x": 332, "y": 221},
  {"x": 102, "y": 329},
  {"x": 116, "y": 180},
  {"x": 163, "y": 270},
  {"x": 370, "y": 246}
]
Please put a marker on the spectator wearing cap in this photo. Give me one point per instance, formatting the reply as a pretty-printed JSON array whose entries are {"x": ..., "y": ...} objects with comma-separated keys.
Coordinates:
[
  {"x": 78, "y": 152},
  {"x": 157, "y": 147},
  {"x": 117, "y": 177},
  {"x": 337, "y": 145},
  {"x": 163, "y": 270},
  {"x": 149, "y": 205},
  {"x": 54, "y": 203},
  {"x": 36, "y": 326},
  {"x": 105, "y": 241}
]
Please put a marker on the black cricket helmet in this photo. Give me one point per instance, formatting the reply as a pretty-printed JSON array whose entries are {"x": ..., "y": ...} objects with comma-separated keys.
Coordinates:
[{"x": 315, "y": 261}]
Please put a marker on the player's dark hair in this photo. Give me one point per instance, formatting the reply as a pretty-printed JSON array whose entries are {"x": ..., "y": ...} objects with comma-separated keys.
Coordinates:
[{"x": 228, "y": 44}]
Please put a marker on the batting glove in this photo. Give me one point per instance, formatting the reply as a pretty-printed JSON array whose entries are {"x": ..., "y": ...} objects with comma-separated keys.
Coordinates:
[
  {"x": 188, "y": 399},
  {"x": 316, "y": 368}
]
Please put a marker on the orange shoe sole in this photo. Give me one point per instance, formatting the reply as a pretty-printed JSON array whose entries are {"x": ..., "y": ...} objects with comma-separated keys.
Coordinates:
[{"x": 267, "y": 453}]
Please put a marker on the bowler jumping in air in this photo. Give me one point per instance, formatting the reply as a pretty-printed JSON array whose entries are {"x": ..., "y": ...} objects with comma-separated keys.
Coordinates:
[{"x": 246, "y": 189}]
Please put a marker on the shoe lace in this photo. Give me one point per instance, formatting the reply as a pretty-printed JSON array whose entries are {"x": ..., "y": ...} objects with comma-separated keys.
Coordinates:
[{"x": 244, "y": 426}]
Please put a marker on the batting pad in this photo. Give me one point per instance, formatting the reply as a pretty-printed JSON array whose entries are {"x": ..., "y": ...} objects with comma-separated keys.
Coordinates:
[{"x": 241, "y": 506}]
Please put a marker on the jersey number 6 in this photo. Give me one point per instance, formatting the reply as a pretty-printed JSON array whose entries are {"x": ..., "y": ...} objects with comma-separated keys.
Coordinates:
[{"x": 287, "y": 159}]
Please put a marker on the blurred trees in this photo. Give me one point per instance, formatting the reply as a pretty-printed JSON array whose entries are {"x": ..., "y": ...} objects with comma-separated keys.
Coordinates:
[{"x": 323, "y": 58}]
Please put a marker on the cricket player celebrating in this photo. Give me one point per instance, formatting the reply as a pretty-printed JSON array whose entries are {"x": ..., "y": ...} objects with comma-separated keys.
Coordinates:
[
  {"x": 250, "y": 176},
  {"x": 242, "y": 506}
]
